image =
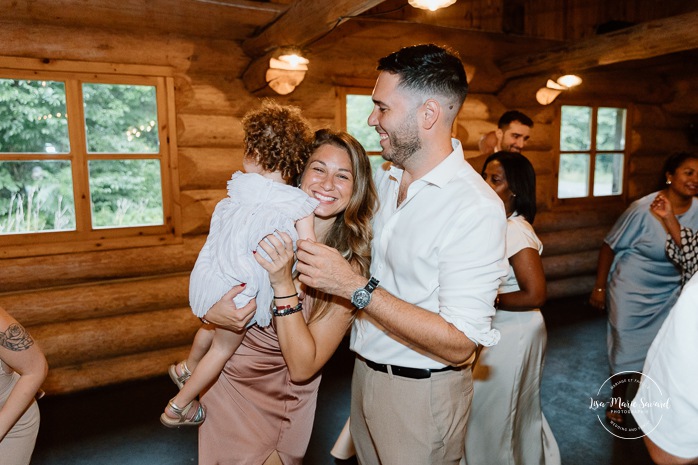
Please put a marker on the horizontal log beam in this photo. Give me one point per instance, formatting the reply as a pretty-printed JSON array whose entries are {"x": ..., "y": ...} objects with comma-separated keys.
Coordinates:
[
  {"x": 164, "y": 16},
  {"x": 86, "y": 341},
  {"x": 573, "y": 240},
  {"x": 570, "y": 287},
  {"x": 209, "y": 131},
  {"x": 73, "y": 378},
  {"x": 646, "y": 40},
  {"x": 578, "y": 218},
  {"x": 188, "y": 54},
  {"x": 568, "y": 265},
  {"x": 97, "y": 299},
  {"x": 25, "y": 274},
  {"x": 658, "y": 140}
]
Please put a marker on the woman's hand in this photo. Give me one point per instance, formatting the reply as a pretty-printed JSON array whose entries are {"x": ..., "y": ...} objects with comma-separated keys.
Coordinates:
[
  {"x": 661, "y": 206},
  {"x": 597, "y": 298},
  {"x": 225, "y": 313},
  {"x": 280, "y": 268}
]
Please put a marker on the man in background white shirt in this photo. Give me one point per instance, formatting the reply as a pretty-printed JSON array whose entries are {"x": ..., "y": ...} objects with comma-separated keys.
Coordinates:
[
  {"x": 438, "y": 255},
  {"x": 671, "y": 373}
]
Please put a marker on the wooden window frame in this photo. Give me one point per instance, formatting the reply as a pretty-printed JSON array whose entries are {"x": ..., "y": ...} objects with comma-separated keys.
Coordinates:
[
  {"x": 84, "y": 237},
  {"x": 342, "y": 93},
  {"x": 590, "y": 200}
]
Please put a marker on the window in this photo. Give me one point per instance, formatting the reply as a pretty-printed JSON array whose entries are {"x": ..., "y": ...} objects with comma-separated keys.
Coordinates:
[
  {"x": 85, "y": 157},
  {"x": 357, "y": 105},
  {"x": 592, "y": 151}
]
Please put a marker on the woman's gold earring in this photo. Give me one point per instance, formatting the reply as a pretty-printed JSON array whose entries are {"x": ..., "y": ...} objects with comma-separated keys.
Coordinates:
[{"x": 668, "y": 181}]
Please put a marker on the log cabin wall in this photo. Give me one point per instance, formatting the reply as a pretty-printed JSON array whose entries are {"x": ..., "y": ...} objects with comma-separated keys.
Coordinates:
[{"x": 104, "y": 317}]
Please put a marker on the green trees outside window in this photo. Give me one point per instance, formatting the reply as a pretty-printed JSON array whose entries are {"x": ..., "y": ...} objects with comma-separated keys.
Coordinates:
[
  {"x": 358, "y": 108},
  {"x": 46, "y": 152},
  {"x": 592, "y": 151}
]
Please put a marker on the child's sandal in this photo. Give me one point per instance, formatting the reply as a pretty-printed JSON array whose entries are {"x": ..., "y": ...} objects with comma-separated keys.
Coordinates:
[
  {"x": 178, "y": 379},
  {"x": 184, "y": 415}
]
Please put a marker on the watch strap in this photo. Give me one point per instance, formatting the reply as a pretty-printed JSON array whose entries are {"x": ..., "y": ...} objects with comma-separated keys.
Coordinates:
[{"x": 372, "y": 284}]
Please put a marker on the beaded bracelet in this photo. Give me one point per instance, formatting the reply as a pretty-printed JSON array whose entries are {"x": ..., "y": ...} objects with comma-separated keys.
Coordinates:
[{"x": 286, "y": 310}]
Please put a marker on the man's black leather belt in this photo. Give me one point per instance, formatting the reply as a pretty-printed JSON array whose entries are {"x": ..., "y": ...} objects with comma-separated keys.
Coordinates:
[{"x": 405, "y": 372}]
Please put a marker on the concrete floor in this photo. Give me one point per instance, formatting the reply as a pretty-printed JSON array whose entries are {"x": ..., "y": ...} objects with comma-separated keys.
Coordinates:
[{"x": 119, "y": 424}]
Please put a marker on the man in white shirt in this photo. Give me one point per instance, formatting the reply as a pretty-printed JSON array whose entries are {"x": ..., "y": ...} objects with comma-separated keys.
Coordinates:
[
  {"x": 666, "y": 404},
  {"x": 438, "y": 253}
]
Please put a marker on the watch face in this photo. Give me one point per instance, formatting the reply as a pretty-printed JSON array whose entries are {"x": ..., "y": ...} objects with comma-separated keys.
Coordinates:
[{"x": 361, "y": 298}]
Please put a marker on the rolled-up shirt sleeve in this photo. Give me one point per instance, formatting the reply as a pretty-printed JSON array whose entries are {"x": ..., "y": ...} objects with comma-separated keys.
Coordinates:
[{"x": 471, "y": 267}]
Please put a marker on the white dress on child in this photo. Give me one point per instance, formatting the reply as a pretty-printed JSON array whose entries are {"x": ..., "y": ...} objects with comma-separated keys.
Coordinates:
[{"x": 255, "y": 207}]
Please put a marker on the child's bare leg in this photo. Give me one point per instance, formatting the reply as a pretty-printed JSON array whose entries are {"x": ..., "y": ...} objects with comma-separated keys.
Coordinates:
[
  {"x": 223, "y": 346},
  {"x": 199, "y": 348},
  {"x": 180, "y": 372}
]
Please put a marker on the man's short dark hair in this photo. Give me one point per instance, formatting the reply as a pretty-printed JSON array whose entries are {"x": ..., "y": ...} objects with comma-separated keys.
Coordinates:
[
  {"x": 428, "y": 68},
  {"x": 511, "y": 116}
]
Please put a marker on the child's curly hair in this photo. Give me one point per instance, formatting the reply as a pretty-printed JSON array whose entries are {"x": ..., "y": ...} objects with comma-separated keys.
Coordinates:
[{"x": 278, "y": 138}]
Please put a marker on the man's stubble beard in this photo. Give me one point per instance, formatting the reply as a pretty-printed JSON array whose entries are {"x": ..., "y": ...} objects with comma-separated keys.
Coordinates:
[{"x": 404, "y": 143}]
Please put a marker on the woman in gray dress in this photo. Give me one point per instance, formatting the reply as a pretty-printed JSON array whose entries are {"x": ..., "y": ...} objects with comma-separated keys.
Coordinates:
[{"x": 635, "y": 280}]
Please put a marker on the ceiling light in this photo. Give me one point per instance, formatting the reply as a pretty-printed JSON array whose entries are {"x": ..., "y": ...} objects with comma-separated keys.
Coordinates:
[
  {"x": 554, "y": 85},
  {"x": 569, "y": 80},
  {"x": 287, "y": 71},
  {"x": 294, "y": 60},
  {"x": 546, "y": 95},
  {"x": 432, "y": 5}
]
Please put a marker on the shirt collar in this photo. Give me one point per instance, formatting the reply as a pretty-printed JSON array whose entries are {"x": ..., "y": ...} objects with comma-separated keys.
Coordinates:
[{"x": 442, "y": 173}]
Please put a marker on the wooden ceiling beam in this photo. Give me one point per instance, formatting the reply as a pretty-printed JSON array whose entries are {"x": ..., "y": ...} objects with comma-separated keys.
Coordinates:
[
  {"x": 305, "y": 21},
  {"x": 646, "y": 40}
]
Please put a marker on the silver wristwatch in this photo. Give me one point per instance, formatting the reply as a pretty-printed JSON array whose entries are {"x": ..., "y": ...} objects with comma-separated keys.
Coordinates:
[{"x": 362, "y": 296}]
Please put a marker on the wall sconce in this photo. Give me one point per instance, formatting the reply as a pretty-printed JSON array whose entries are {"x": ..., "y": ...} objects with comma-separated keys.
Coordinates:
[
  {"x": 546, "y": 95},
  {"x": 287, "y": 71},
  {"x": 431, "y": 5}
]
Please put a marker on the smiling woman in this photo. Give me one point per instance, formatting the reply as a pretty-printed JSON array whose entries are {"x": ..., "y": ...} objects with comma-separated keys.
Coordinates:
[
  {"x": 276, "y": 368},
  {"x": 635, "y": 280}
]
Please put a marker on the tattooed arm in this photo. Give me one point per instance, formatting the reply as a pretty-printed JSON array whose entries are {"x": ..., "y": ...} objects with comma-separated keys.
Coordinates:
[{"x": 23, "y": 355}]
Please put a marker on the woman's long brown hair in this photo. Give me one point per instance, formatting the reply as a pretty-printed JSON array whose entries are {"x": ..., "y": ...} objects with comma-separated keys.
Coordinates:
[{"x": 351, "y": 232}]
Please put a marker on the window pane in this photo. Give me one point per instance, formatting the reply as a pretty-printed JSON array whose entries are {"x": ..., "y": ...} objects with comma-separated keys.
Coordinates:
[
  {"x": 608, "y": 174},
  {"x": 610, "y": 129},
  {"x": 36, "y": 196},
  {"x": 125, "y": 193},
  {"x": 120, "y": 118},
  {"x": 359, "y": 107},
  {"x": 33, "y": 117},
  {"x": 575, "y": 128},
  {"x": 376, "y": 162},
  {"x": 574, "y": 175}
]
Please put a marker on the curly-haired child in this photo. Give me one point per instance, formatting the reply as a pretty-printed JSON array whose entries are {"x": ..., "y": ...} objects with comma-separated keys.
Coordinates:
[{"x": 260, "y": 202}]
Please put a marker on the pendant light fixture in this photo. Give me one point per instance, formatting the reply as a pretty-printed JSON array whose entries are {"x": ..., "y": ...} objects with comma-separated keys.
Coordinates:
[{"x": 431, "y": 5}]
